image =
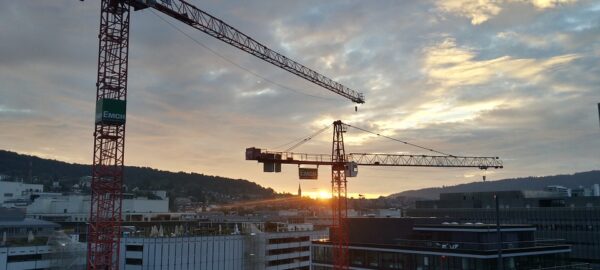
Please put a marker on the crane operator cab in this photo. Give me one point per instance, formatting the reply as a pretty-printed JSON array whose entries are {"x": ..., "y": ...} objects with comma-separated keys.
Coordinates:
[{"x": 351, "y": 169}]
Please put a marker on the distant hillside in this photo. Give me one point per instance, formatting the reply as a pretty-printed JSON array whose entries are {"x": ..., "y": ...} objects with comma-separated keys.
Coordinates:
[
  {"x": 585, "y": 179},
  {"x": 201, "y": 187}
]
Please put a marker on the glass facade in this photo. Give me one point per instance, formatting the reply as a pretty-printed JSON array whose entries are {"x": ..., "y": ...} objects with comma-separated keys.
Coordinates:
[
  {"x": 375, "y": 259},
  {"x": 580, "y": 227}
]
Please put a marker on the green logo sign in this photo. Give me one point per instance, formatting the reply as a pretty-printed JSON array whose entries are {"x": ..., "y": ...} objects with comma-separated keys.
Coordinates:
[{"x": 110, "y": 111}]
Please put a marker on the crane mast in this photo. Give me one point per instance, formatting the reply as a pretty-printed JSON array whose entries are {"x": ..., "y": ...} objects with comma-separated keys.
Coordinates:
[
  {"x": 104, "y": 230},
  {"x": 339, "y": 203}
]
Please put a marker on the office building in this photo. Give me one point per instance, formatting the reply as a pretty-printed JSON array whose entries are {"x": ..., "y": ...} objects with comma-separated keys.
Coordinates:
[
  {"x": 430, "y": 244},
  {"x": 575, "y": 219},
  {"x": 279, "y": 246}
]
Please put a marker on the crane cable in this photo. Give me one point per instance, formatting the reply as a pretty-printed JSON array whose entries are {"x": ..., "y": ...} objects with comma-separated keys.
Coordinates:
[
  {"x": 198, "y": 42},
  {"x": 303, "y": 141},
  {"x": 401, "y": 141},
  {"x": 297, "y": 140}
]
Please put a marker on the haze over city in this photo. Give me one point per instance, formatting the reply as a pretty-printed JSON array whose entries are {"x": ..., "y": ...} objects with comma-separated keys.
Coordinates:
[{"x": 514, "y": 79}]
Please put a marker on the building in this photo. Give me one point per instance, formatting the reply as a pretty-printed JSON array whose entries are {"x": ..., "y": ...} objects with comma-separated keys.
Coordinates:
[
  {"x": 280, "y": 246},
  {"x": 35, "y": 244},
  {"x": 10, "y": 191},
  {"x": 183, "y": 252},
  {"x": 75, "y": 207},
  {"x": 429, "y": 244},
  {"x": 226, "y": 245},
  {"x": 562, "y": 191},
  {"x": 575, "y": 219},
  {"x": 14, "y": 227}
]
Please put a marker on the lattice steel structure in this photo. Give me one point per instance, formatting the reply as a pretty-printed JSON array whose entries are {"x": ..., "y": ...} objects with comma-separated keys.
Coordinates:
[
  {"x": 425, "y": 161},
  {"x": 342, "y": 165},
  {"x": 194, "y": 17},
  {"x": 364, "y": 159},
  {"x": 104, "y": 230},
  {"x": 339, "y": 202}
]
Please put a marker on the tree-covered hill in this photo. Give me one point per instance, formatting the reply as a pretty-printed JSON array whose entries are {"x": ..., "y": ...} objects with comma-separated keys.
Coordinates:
[
  {"x": 201, "y": 187},
  {"x": 585, "y": 179}
]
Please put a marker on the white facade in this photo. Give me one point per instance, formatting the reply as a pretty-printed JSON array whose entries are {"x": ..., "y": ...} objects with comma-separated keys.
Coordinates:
[
  {"x": 43, "y": 257},
  {"x": 280, "y": 250},
  {"x": 18, "y": 190},
  {"x": 190, "y": 252},
  {"x": 560, "y": 190},
  {"x": 27, "y": 257},
  {"x": 77, "y": 207}
]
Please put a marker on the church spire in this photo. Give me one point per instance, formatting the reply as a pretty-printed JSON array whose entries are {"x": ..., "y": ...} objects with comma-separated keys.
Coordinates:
[{"x": 299, "y": 190}]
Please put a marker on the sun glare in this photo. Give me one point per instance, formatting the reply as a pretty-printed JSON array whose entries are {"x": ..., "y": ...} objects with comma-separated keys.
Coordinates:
[
  {"x": 323, "y": 194},
  {"x": 320, "y": 194}
]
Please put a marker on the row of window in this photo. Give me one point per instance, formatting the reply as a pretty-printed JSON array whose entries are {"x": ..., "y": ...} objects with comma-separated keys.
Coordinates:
[
  {"x": 567, "y": 227},
  {"x": 288, "y": 240},
  {"x": 24, "y": 258},
  {"x": 24, "y": 192},
  {"x": 288, "y": 261},
  {"x": 367, "y": 259},
  {"x": 288, "y": 250}
]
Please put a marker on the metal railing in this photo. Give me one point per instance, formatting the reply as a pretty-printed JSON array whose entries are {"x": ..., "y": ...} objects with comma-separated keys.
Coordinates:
[
  {"x": 580, "y": 266},
  {"x": 490, "y": 246}
]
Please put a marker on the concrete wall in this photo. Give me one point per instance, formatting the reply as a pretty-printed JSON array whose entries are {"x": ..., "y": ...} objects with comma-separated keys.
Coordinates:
[
  {"x": 17, "y": 189},
  {"x": 74, "y": 204},
  {"x": 200, "y": 252}
]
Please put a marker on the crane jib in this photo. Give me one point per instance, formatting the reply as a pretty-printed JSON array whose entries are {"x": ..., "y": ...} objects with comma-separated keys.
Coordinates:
[{"x": 193, "y": 16}]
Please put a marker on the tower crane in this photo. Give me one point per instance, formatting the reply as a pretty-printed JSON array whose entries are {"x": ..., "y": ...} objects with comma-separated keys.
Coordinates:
[
  {"x": 104, "y": 229},
  {"x": 346, "y": 165}
]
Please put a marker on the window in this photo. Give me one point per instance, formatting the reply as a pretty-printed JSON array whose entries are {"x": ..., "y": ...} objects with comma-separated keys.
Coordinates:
[
  {"x": 24, "y": 258},
  {"x": 357, "y": 257},
  {"x": 389, "y": 261},
  {"x": 132, "y": 261},
  {"x": 287, "y": 261},
  {"x": 288, "y": 240},
  {"x": 8, "y": 195},
  {"x": 287, "y": 250},
  {"x": 134, "y": 248},
  {"x": 322, "y": 254},
  {"x": 372, "y": 259}
]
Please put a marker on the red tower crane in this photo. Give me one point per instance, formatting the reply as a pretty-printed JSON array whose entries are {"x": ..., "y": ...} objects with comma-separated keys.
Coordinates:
[
  {"x": 346, "y": 165},
  {"x": 104, "y": 230}
]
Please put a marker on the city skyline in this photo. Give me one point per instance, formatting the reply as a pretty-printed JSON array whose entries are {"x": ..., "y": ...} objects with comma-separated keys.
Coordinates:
[{"x": 514, "y": 79}]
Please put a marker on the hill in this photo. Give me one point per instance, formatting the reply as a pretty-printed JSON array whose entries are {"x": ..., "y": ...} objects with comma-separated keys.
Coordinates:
[
  {"x": 200, "y": 187},
  {"x": 585, "y": 179}
]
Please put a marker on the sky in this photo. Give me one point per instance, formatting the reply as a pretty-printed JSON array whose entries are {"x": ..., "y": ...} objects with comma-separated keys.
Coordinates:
[{"x": 518, "y": 79}]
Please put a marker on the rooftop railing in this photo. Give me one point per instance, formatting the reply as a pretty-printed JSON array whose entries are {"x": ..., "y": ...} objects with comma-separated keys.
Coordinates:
[{"x": 478, "y": 246}]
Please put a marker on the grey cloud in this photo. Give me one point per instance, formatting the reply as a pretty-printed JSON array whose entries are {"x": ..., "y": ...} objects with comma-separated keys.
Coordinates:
[{"x": 190, "y": 110}]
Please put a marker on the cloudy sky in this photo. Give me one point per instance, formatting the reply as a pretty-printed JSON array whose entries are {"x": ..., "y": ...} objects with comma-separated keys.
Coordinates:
[{"x": 517, "y": 79}]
